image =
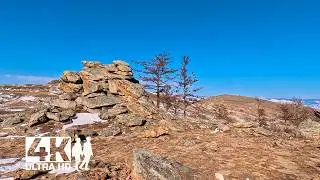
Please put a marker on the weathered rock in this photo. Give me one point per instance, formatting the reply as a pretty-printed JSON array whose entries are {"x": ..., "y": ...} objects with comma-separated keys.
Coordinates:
[
  {"x": 71, "y": 77},
  {"x": 91, "y": 64},
  {"x": 13, "y": 120},
  {"x": 154, "y": 132},
  {"x": 64, "y": 104},
  {"x": 126, "y": 74},
  {"x": 92, "y": 95},
  {"x": 99, "y": 101},
  {"x": 90, "y": 87},
  {"x": 67, "y": 114},
  {"x": 38, "y": 118},
  {"x": 124, "y": 68},
  {"x": 113, "y": 112},
  {"x": 68, "y": 96},
  {"x": 126, "y": 88},
  {"x": 142, "y": 109},
  {"x": 53, "y": 116},
  {"x": 103, "y": 86},
  {"x": 147, "y": 165},
  {"x": 26, "y": 174},
  {"x": 113, "y": 87},
  {"x": 130, "y": 120},
  {"x": 120, "y": 62},
  {"x": 110, "y": 131},
  {"x": 110, "y": 67},
  {"x": 70, "y": 87}
]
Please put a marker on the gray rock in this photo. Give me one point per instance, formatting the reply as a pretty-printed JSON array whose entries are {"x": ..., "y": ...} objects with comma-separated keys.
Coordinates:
[
  {"x": 67, "y": 115},
  {"x": 10, "y": 121},
  {"x": 38, "y": 118},
  {"x": 53, "y": 116},
  {"x": 147, "y": 165},
  {"x": 130, "y": 120},
  {"x": 71, "y": 77},
  {"x": 110, "y": 131},
  {"x": 99, "y": 101},
  {"x": 113, "y": 112},
  {"x": 64, "y": 104}
]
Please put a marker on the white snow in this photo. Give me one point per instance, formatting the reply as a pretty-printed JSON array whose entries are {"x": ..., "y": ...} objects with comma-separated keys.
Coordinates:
[
  {"x": 15, "y": 110},
  {"x": 281, "y": 101},
  {"x": 27, "y": 98},
  {"x": 82, "y": 119},
  {"x": 11, "y": 164}
]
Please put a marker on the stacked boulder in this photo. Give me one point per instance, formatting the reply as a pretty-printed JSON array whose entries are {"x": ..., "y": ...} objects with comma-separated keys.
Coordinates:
[{"x": 98, "y": 88}]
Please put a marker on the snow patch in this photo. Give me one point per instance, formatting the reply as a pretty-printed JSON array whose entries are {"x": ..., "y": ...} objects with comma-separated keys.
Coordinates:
[
  {"x": 15, "y": 110},
  {"x": 12, "y": 164},
  {"x": 83, "y": 119},
  {"x": 27, "y": 98},
  {"x": 281, "y": 101}
]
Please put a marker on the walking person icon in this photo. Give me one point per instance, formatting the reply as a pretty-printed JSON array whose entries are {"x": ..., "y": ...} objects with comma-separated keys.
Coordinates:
[
  {"x": 77, "y": 152},
  {"x": 87, "y": 152}
]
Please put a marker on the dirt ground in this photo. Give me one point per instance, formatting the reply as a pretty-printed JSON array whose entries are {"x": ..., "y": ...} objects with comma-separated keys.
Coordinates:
[{"x": 235, "y": 154}]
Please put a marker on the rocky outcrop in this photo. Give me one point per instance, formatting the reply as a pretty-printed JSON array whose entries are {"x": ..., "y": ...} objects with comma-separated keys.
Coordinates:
[
  {"x": 107, "y": 89},
  {"x": 147, "y": 165}
]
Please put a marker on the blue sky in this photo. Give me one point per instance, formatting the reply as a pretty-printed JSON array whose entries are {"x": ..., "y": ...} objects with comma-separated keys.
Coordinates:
[{"x": 265, "y": 48}]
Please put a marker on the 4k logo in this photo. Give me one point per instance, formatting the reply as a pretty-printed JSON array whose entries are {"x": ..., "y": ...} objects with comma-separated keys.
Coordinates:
[{"x": 48, "y": 149}]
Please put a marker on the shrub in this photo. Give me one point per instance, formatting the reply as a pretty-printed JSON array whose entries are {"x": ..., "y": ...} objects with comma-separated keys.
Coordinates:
[
  {"x": 221, "y": 111},
  {"x": 294, "y": 113},
  {"x": 261, "y": 114}
]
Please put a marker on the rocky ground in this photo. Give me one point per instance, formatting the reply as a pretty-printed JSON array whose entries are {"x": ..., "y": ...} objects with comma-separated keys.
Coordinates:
[{"x": 132, "y": 139}]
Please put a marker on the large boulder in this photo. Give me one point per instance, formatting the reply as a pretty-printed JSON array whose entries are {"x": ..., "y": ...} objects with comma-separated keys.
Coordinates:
[
  {"x": 70, "y": 87},
  {"x": 64, "y": 104},
  {"x": 53, "y": 116},
  {"x": 113, "y": 112},
  {"x": 71, "y": 77},
  {"x": 98, "y": 101},
  {"x": 126, "y": 88},
  {"x": 147, "y": 165},
  {"x": 38, "y": 118}
]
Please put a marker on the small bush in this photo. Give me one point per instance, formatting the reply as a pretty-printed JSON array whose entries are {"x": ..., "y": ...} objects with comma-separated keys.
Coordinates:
[
  {"x": 294, "y": 113},
  {"x": 221, "y": 112},
  {"x": 261, "y": 114}
]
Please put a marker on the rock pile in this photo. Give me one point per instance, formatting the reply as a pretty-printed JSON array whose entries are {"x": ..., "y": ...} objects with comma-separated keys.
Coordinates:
[{"x": 107, "y": 89}]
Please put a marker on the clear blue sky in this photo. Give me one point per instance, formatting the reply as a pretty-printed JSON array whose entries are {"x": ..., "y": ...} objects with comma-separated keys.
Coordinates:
[{"x": 267, "y": 48}]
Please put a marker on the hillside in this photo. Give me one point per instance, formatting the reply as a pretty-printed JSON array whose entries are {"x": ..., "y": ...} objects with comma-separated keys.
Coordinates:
[{"x": 131, "y": 139}]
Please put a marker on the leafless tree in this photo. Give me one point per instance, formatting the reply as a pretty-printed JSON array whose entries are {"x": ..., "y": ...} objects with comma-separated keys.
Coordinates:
[
  {"x": 186, "y": 84},
  {"x": 156, "y": 74}
]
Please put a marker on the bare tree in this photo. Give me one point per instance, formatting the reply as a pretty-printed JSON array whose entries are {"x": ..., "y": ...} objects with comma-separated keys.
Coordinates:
[
  {"x": 186, "y": 82},
  {"x": 156, "y": 74}
]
